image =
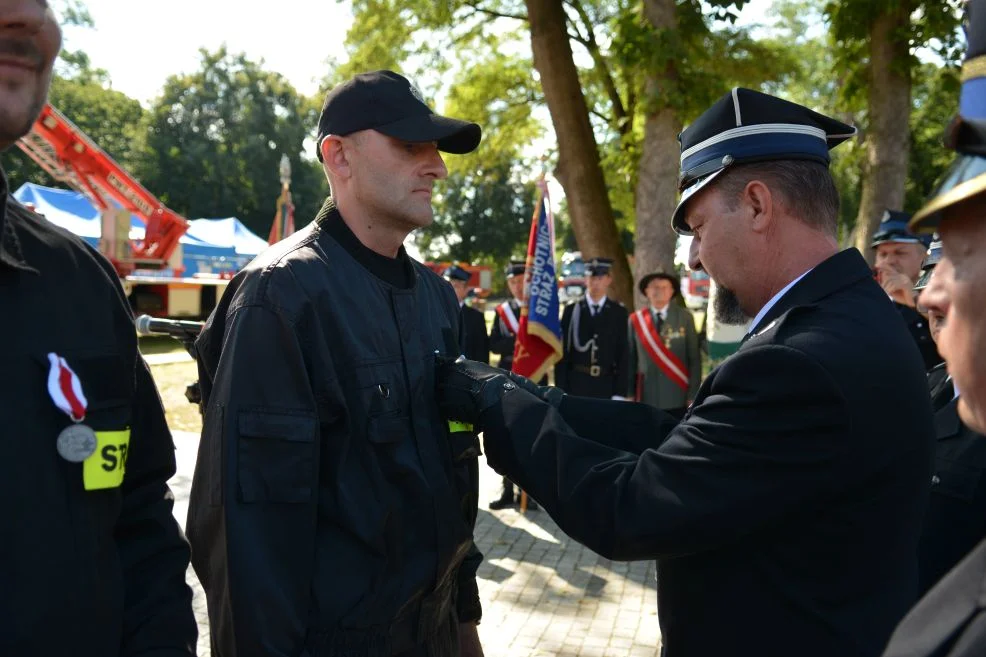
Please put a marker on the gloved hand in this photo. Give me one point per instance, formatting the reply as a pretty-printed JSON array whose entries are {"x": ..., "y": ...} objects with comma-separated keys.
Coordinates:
[
  {"x": 466, "y": 388},
  {"x": 548, "y": 394}
]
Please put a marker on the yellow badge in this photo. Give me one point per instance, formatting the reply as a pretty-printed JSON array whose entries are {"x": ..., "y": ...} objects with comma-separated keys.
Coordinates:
[
  {"x": 105, "y": 468},
  {"x": 455, "y": 427}
]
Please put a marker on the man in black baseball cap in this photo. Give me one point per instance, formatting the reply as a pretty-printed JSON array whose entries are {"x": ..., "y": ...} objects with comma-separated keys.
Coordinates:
[
  {"x": 345, "y": 526},
  {"x": 390, "y": 104}
]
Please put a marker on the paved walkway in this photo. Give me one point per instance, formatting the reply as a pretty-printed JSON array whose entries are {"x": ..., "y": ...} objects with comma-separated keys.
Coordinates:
[{"x": 543, "y": 594}]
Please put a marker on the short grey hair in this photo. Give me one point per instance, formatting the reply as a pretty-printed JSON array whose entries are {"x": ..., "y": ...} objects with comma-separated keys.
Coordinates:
[{"x": 807, "y": 188}]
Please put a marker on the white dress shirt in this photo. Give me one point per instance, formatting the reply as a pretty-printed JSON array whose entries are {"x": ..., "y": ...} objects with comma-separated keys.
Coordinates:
[{"x": 773, "y": 301}]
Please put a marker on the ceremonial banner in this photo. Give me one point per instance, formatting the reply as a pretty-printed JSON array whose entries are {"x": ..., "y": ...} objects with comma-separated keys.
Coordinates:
[{"x": 538, "y": 346}]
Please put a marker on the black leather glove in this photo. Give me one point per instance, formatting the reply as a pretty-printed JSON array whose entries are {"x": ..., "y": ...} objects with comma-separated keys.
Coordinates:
[
  {"x": 466, "y": 388},
  {"x": 548, "y": 394}
]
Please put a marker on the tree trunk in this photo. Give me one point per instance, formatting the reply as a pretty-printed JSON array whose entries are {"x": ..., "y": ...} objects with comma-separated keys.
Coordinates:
[
  {"x": 888, "y": 137},
  {"x": 657, "y": 176},
  {"x": 579, "y": 170}
]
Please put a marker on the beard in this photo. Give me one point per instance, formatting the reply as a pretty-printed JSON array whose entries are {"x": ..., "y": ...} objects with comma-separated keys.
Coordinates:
[{"x": 726, "y": 307}]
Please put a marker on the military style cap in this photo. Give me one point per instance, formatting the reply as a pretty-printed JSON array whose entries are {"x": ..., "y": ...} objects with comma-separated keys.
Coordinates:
[
  {"x": 893, "y": 228},
  {"x": 748, "y": 126},
  {"x": 928, "y": 265},
  {"x": 598, "y": 266},
  {"x": 646, "y": 280},
  {"x": 966, "y": 135},
  {"x": 456, "y": 273},
  {"x": 516, "y": 268},
  {"x": 388, "y": 103}
]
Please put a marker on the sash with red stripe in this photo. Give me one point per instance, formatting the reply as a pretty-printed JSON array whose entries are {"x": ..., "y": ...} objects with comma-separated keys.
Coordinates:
[
  {"x": 508, "y": 318},
  {"x": 671, "y": 365}
]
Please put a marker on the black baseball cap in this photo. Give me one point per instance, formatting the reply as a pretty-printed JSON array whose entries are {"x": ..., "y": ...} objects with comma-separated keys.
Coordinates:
[{"x": 388, "y": 103}]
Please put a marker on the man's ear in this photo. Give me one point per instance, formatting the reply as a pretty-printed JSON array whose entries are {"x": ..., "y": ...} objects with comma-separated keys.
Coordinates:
[
  {"x": 335, "y": 156},
  {"x": 760, "y": 200}
]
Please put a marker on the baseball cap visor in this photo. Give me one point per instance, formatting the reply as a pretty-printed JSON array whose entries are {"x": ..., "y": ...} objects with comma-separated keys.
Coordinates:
[{"x": 452, "y": 135}]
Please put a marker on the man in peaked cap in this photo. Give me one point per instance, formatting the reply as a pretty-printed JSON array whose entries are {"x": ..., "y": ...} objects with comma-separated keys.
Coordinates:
[
  {"x": 950, "y": 620},
  {"x": 899, "y": 254},
  {"x": 784, "y": 510},
  {"x": 473, "y": 339},
  {"x": 595, "y": 360}
]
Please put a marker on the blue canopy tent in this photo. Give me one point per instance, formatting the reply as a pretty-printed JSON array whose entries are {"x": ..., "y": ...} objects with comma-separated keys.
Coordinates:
[{"x": 210, "y": 246}]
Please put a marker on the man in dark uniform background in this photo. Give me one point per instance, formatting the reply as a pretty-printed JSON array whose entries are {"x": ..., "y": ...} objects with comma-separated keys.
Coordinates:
[
  {"x": 503, "y": 332},
  {"x": 785, "y": 509},
  {"x": 950, "y": 620},
  {"x": 503, "y": 337},
  {"x": 93, "y": 561},
  {"x": 595, "y": 361},
  {"x": 956, "y": 518},
  {"x": 474, "y": 340},
  {"x": 331, "y": 512},
  {"x": 898, "y": 265}
]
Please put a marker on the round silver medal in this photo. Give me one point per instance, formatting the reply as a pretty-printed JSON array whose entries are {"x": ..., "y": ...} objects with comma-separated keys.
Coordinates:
[{"x": 76, "y": 443}]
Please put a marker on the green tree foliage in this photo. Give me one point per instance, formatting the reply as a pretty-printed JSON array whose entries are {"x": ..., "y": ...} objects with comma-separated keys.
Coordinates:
[
  {"x": 112, "y": 119},
  {"x": 215, "y": 140},
  {"x": 484, "y": 217}
]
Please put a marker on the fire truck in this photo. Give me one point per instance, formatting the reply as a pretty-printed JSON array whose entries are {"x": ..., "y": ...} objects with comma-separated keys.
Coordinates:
[{"x": 151, "y": 268}]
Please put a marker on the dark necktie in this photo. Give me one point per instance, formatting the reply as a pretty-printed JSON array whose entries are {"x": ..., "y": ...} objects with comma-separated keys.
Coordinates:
[{"x": 595, "y": 308}]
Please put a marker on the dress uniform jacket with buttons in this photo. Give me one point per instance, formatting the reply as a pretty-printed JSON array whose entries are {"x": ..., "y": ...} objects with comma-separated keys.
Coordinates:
[
  {"x": 475, "y": 341},
  {"x": 784, "y": 511},
  {"x": 956, "y": 517},
  {"x": 331, "y": 514},
  {"x": 917, "y": 324},
  {"x": 502, "y": 339},
  {"x": 95, "y": 572},
  {"x": 601, "y": 368},
  {"x": 649, "y": 384}
]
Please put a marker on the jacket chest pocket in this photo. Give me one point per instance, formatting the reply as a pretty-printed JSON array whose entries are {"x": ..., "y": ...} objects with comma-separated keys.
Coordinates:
[
  {"x": 388, "y": 428},
  {"x": 276, "y": 456},
  {"x": 956, "y": 479}
]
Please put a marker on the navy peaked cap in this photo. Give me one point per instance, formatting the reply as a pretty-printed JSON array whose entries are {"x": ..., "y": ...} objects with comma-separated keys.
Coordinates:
[
  {"x": 599, "y": 266},
  {"x": 893, "y": 228},
  {"x": 516, "y": 268},
  {"x": 748, "y": 126},
  {"x": 456, "y": 273},
  {"x": 966, "y": 135}
]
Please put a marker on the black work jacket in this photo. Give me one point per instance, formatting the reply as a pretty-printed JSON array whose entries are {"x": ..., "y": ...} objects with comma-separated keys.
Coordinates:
[
  {"x": 330, "y": 514},
  {"x": 956, "y": 518},
  {"x": 97, "y": 572},
  {"x": 784, "y": 510}
]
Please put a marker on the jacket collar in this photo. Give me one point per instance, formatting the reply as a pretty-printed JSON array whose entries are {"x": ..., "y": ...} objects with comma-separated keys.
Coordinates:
[
  {"x": 837, "y": 272},
  {"x": 11, "y": 254}
]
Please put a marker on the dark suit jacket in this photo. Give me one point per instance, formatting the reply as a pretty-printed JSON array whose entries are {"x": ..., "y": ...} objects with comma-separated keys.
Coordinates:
[
  {"x": 956, "y": 517},
  {"x": 784, "y": 510},
  {"x": 950, "y": 621},
  {"x": 917, "y": 324},
  {"x": 475, "y": 342}
]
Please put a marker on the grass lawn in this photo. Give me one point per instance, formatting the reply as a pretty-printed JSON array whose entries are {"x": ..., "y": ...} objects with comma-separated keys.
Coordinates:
[{"x": 171, "y": 380}]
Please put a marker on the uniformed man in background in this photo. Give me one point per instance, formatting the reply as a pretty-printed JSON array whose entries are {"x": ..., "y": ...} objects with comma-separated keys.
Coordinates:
[
  {"x": 899, "y": 254},
  {"x": 956, "y": 518},
  {"x": 950, "y": 620},
  {"x": 473, "y": 339},
  {"x": 595, "y": 361},
  {"x": 93, "y": 562},
  {"x": 664, "y": 351}
]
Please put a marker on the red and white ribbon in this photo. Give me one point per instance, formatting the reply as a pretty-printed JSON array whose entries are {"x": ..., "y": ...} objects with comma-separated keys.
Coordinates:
[
  {"x": 66, "y": 389},
  {"x": 508, "y": 317}
]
